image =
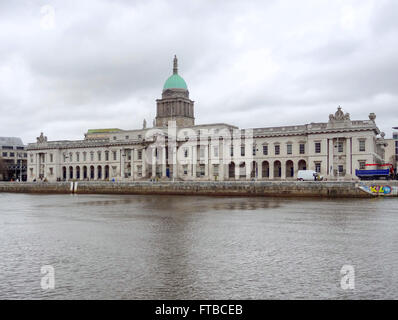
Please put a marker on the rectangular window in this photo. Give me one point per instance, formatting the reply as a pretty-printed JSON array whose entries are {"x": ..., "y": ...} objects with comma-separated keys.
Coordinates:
[
  {"x": 242, "y": 151},
  {"x": 51, "y": 157},
  {"x": 302, "y": 148},
  {"x": 127, "y": 137},
  {"x": 202, "y": 170},
  {"x": 317, "y": 147},
  {"x": 254, "y": 150},
  {"x": 70, "y": 157},
  {"x": 84, "y": 156},
  {"x": 99, "y": 155},
  {"x": 341, "y": 168},
  {"x": 12, "y": 154},
  {"x": 340, "y": 146},
  {"x": 92, "y": 156},
  {"x": 277, "y": 149},
  {"x": 362, "y": 145},
  {"x": 202, "y": 152},
  {"x": 186, "y": 152},
  {"x": 51, "y": 171},
  {"x": 215, "y": 170},
  {"x": 362, "y": 164},
  {"x": 139, "y": 155},
  {"x": 114, "y": 155},
  {"x": 318, "y": 167},
  {"x": 139, "y": 171},
  {"x": 396, "y": 148},
  {"x": 185, "y": 168},
  {"x": 289, "y": 149},
  {"x": 215, "y": 151},
  {"x": 232, "y": 151},
  {"x": 5, "y": 154},
  {"x": 265, "y": 150},
  {"x": 77, "y": 156}
]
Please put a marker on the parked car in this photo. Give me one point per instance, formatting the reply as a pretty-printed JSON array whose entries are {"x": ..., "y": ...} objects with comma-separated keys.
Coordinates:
[{"x": 309, "y": 175}]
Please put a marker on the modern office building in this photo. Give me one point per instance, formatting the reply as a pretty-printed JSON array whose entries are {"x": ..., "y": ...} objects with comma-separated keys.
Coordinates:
[{"x": 13, "y": 158}]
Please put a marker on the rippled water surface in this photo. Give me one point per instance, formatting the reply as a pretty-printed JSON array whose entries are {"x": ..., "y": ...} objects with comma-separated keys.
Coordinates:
[{"x": 175, "y": 247}]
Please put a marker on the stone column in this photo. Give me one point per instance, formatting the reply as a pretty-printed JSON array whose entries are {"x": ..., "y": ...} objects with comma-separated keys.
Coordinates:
[
  {"x": 259, "y": 170},
  {"x": 221, "y": 170},
  {"x": 237, "y": 170},
  {"x": 207, "y": 162},
  {"x": 143, "y": 162},
  {"x": 348, "y": 158},
  {"x": 153, "y": 163},
  {"x": 271, "y": 170},
  {"x": 331, "y": 166},
  {"x": 175, "y": 164},
  {"x": 133, "y": 151},
  {"x": 248, "y": 169},
  {"x": 123, "y": 156},
  {"x": 283, "y": 170},
  {"x": 194, "y": 160},
  {"x": 164, "y": 168},
  {"x": 37, "y": 166}
]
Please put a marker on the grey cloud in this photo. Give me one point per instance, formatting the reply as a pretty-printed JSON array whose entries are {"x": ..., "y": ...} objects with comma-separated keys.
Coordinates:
[{"x": 249, "y": 64}]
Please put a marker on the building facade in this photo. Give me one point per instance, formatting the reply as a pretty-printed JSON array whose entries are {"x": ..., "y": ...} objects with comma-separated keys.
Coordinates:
[
  {"x": 13, "y": 159},
  {"x": 391, "y": 149},
  {"x": 176, "y": 148}
]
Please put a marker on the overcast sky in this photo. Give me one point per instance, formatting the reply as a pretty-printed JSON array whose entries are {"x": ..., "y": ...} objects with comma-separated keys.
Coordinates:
[{"x": 69, "y": 66}]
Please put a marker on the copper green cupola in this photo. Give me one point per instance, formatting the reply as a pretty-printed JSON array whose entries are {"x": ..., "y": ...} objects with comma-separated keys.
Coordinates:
[
  {"x": 175, "y": 81},
  {"x": 175, "y": 104}
]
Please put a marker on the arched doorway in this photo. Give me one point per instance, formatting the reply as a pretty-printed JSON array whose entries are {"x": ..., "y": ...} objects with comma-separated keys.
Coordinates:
[
  {"x": 289, "y": 169},
  {"x": 253, "y": 170},
  {"x": 92, "y": 173},
  {"x": 64, "y": 173},
  {"x": 265, "y": 169},
  {"x": 231, "y": 170},
  {"x": 99, "y": 172},
  {"x": 106, "y": 172},
  {"x": 71, "y": 173},
  {"x": 302, "y": 165},
  {"x": 277, "y": 169},
  {"x": 85, "y": 172},
  {"x": 78, "y": 172}
]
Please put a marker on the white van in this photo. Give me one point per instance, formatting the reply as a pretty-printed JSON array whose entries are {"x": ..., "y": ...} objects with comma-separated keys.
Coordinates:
[{"x": 308, "y": 175}]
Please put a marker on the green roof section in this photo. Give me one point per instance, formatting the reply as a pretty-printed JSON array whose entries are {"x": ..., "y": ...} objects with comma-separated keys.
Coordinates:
[
  {"x": 175, "y": 82},
  {"x": 103, "y": 130}
]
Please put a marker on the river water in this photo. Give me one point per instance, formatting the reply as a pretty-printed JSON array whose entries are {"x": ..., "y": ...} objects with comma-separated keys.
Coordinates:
[{"x": 180, "y": 247}]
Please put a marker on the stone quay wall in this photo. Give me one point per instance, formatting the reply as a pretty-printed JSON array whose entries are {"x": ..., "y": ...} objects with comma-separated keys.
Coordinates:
[{"x": 244, "y": 188}]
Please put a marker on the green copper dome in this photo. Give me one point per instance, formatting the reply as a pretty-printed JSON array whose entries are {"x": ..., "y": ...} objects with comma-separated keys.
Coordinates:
[{"x": 175, "y": 81}]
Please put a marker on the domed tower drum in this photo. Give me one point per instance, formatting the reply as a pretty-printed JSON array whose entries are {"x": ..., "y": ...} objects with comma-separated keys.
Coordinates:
[{"x": 175, "y": 104}]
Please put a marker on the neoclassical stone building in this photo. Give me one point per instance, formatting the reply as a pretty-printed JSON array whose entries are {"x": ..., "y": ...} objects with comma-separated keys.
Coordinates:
[{"x": 175, "y": 148}]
